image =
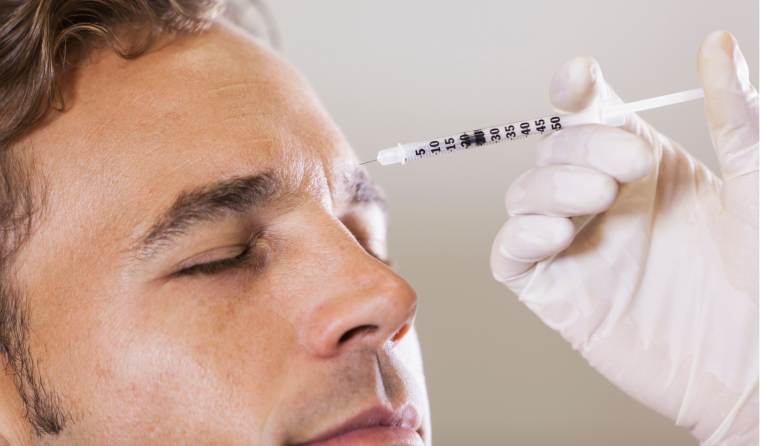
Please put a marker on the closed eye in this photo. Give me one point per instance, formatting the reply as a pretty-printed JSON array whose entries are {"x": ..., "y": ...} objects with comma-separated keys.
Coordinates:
[{"x": 217, "y": 266}]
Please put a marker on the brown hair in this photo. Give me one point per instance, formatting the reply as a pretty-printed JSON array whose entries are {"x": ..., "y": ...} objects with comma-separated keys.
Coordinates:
[{"x": 37, "y": 41}]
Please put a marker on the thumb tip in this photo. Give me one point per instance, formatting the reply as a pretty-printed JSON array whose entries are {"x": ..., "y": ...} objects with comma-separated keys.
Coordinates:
[
  {"x": 720, "y": 62},
  {"x": 717, "y": 41},
  {"x": 576, "y": 84}
]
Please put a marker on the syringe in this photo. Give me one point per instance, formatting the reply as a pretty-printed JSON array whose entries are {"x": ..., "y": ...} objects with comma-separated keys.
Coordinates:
[{"x": 609, "y": 112}]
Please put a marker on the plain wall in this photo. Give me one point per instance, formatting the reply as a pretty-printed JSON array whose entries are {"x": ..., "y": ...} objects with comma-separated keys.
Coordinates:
[{"x": 402, "y": 71}]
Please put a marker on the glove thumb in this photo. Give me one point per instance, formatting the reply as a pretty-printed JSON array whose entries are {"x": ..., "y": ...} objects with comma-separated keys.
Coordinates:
[
  {"x": 731, "y": 105},
  {"x": 577, "y": 85}
]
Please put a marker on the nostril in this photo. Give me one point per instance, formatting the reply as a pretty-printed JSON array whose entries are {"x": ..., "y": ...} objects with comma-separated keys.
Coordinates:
[
  {"x": 363, "y": 329},
  {"x": 401, "y": 333}
]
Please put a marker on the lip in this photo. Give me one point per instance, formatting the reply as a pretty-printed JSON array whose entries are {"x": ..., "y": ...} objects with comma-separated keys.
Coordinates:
[{"x": 376, "y": 426}]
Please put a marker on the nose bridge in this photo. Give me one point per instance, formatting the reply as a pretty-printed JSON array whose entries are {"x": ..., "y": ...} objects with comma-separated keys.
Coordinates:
[{"x": 359, "y": 302}]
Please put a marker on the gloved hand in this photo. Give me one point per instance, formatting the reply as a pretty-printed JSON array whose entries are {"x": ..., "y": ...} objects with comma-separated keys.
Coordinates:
[{"x": 643, "y": 259}]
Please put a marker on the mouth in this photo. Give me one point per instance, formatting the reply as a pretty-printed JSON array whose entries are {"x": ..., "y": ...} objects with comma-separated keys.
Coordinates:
[{"x": 374, "y": 427}]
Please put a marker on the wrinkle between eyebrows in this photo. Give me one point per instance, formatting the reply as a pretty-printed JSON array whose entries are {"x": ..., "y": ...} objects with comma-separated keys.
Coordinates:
[
  {"x": 358, "y": 188},
  {"x": 209, "y": 202}
]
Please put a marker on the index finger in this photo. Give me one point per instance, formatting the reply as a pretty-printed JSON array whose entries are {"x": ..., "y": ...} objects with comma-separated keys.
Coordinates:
[{"x": 616, "y": 152}]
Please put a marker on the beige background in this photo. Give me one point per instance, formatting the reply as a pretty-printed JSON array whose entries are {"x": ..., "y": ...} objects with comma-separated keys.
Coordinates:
[{"x": 401, "y": 71}]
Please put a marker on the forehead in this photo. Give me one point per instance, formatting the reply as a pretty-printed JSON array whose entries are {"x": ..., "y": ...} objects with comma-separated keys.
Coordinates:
[{"x": 195, "y": 110}]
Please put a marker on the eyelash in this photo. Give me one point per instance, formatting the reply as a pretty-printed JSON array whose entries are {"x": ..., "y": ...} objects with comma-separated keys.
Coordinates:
[
  {"x": 241, "y": 260},
  {"x": 217, "y": 266}
]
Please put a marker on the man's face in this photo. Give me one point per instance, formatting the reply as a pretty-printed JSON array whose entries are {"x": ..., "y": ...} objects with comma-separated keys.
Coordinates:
[{"x": 208, "y": 265}]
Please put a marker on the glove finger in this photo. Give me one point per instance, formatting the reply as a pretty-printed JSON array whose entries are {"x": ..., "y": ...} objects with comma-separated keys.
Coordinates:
[
  {"x": 731, "y": 109},
  {"x": 576, "y": 85},
  {"x": 731, "y": 104},
  {"x": 561, "y": 191},
  {"x": 616, "y": 152},
  {"x": 579, "y": 83},
  {"x": 523, "y": 241}
]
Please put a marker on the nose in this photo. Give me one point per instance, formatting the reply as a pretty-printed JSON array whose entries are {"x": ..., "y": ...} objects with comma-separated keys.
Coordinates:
[{"x": 361, "y": 302}]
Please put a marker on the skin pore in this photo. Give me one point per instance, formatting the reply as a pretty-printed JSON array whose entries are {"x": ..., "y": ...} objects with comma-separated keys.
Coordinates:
[{"x": 208, "y": 267}]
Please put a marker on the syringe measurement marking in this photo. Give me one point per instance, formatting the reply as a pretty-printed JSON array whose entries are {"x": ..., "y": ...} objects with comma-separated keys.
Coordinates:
[{"x": 479, "y": 138}]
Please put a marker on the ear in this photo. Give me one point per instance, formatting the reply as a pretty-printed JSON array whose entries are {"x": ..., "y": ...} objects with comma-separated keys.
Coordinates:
[{"x": 14, "y": 429}]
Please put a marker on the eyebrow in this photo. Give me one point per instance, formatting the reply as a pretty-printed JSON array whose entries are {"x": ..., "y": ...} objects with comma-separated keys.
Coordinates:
[
  {"x": 361, "y": 189},
  {"x": 237, "y": 195},
  {"x": 208, "y": 203}
]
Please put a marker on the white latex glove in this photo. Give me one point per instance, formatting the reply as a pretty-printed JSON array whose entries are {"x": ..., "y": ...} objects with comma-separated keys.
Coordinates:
[{"x": 654, "y": 278}]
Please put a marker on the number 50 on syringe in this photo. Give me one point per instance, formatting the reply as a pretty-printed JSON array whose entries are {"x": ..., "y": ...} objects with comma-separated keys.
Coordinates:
[
  {"x": 607, "y": 112},
  {"x": 479, "y": 138}
]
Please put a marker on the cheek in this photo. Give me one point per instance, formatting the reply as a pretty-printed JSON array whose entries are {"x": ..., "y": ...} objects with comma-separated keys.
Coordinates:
[
  {"x": 175, "y": 363},
  {"x": 221, "y": 357}
]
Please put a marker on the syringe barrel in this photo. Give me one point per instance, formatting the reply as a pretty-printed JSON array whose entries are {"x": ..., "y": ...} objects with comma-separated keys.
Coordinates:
[
  {"x": 468, "y": 140},
  {"x": 505, "y": 132}
]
